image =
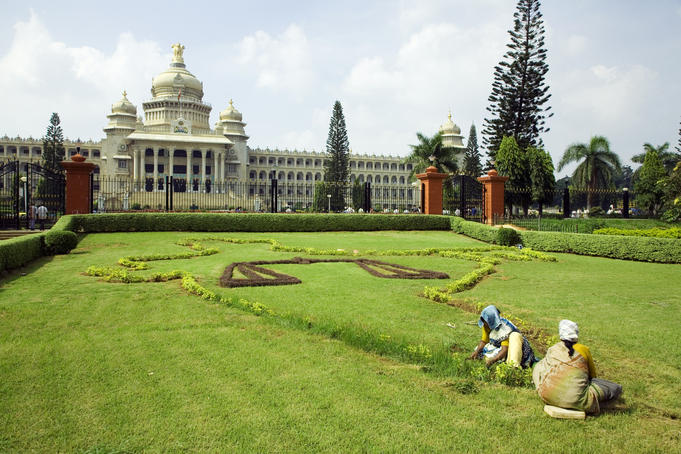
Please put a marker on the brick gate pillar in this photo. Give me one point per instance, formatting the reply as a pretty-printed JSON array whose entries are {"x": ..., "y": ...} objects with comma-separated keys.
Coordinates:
[
  {"x": 77, "y": 184},
  {"x": 431, "y": 184},
  {"x": 494, "y": 195}
]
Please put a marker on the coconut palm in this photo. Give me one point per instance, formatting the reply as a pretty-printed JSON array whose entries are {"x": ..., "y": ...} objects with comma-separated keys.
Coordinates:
[
  {"x": 596, "y": 165},
  {"x": 668, "y": 158},
  {"x": 430, "y": 152}
]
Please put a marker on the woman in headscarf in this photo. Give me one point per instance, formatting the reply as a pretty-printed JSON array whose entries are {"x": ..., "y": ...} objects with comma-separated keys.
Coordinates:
[
  {"x": 566, "y": 377},
  {"x": 501, "y": 341}
]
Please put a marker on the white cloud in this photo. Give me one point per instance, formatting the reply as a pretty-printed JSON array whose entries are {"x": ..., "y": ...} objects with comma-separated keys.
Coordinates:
[
  {"x": 280, "y": 63},
  {"x": 575, "y": 45},
  {"x": 437, "y": 68},
  {"x": 40, "y": 75}
]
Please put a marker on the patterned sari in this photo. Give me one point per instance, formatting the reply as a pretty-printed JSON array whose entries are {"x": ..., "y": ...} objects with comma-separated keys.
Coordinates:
[{"x": 563, "y": 381}]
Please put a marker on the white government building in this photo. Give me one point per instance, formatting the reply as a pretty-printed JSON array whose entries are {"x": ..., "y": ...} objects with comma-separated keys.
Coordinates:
[{"x": 175, "y": 138}]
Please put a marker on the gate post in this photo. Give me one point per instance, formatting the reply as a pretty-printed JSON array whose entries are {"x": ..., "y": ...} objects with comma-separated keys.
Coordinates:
[
  {"x": 566, "y": 203},
  {"x": 625, "y": 203},
  {"x": 493, "y": 195},
  {"x": 77, "y": 184},
  {"x": 432, "y": 190}
]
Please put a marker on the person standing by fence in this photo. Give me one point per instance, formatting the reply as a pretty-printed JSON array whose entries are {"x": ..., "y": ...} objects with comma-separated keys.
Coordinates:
[
  {"x": 31, "y": 216},
  {"x": 42, "y": 215}
]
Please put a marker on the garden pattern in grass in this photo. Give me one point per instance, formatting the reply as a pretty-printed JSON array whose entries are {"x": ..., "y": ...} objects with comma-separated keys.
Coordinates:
[{"x": 440, "y": 361}]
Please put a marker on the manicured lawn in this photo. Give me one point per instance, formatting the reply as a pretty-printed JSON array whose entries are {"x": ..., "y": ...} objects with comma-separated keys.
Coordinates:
[{"x": 87, "y": 365}]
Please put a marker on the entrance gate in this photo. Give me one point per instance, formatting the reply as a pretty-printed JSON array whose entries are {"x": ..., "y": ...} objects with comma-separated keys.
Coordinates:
[
  {"x": 23, "y": 185},
  {"x": 465, "y": 194}
]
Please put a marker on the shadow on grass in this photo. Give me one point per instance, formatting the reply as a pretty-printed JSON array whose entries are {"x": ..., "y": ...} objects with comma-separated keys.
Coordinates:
[{"x": 10, "y": 276}]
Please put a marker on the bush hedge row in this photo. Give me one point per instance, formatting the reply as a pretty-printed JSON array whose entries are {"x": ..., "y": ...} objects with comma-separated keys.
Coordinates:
[
  {"x": 655, "y": 232},
  {"x": 248, "y": 222},
  {"x": 663, "y": 250},
  {"x": 17, "y": 252}
]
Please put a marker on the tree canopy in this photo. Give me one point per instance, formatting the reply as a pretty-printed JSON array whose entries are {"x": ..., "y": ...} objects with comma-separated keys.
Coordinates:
[
  {"x": 472, "y": 165},
  {"x": 596, "y": 167},
  {"x": 337, "y": 168},
  {"x": 428, "y": 147},
  {"x": 650, "y": 185},
  {"x": 53, "y": 145},
  {"x": 519, "y": 94}
]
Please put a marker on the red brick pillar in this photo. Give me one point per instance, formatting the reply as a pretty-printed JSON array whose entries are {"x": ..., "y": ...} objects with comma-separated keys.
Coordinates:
[
  {"x": 431, "y": 184},
  {"x": 77, "y": 184},
  {"x": 494, "y": 195}
]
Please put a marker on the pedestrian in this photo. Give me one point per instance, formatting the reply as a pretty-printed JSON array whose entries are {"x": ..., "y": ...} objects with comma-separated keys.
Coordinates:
[{"x": 42, "y": 215}]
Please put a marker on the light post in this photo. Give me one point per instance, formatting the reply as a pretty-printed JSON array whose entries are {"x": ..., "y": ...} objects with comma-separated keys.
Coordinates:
[{"x": 328, "y": 196}]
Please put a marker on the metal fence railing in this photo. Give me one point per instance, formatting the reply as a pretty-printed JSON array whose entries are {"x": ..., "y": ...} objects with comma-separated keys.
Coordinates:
[{"x": 122, "y": 194}]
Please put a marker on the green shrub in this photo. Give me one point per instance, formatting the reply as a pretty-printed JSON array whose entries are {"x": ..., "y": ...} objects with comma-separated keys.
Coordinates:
[
  {"x": 655, "y": 232},
  {"x": 508, "y": 237},
  {"x": 16, "y": 252},
  {"x": 248, "y": 222},
  {"x": 60, "y": 241},
  {"x": 663, "y": 250},
  {"x": 476, "y": 230}
]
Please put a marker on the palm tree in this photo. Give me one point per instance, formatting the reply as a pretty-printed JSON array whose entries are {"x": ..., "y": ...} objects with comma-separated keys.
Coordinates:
[
  {"x": 430, "y": 152},
  {"x": 668, "y": 158},
  {"x": 597, "y": 165}
]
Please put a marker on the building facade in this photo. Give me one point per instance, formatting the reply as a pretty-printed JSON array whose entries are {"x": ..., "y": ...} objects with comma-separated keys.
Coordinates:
[{"x": 174, "y": 138}]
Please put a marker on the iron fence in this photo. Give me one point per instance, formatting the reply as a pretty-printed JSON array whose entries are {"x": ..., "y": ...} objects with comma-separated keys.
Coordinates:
[{"x": 175, "y": 194}]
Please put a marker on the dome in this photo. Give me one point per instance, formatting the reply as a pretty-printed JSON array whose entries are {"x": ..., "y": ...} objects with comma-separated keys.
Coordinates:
[
  {"x": 449, "y": 127},
  {"x": 230, "y": 113},
  {"x": 124, "y": 106},
  {"x": 176, "y": 78}
]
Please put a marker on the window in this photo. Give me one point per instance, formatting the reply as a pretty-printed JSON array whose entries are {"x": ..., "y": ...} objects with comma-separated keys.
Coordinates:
[
  {"x": 231, "y": 168},
  {"x": 123, "y": 164},
  {"x": 195, "y": 170},
  {"x": 180, "y": 169},
  {"x": 160, "y": 168},
  {"x": 161, "y": 152},
  {"x": 95, "y": 153},
  {"x": 148, "y": 168},
  {"x": 196, "y": 153},
  {"x": 96, "y": 170}
]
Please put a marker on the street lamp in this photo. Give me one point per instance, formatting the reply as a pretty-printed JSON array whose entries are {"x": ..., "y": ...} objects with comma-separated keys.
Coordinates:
[{"x": 328, "y": 196}]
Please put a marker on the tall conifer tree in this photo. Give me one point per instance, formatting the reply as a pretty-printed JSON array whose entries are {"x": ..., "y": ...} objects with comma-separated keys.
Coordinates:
[
  {"x": 337, "y": 169},
  {"x": 53, "y": 145},
  {"x": 519, "y": 94},
  {"x": 471, "y": 161}
]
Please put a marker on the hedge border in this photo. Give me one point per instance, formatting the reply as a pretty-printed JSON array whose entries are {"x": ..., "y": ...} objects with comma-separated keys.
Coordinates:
[{"x": 642, "y": 249}]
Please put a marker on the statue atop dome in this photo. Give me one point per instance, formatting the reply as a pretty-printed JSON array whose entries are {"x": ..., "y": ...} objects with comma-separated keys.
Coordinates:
[{"x": 178, "y": 49}]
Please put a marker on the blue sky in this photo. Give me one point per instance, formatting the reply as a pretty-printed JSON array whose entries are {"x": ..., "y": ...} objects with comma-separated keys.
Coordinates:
[{"x": 397, "y": 67}]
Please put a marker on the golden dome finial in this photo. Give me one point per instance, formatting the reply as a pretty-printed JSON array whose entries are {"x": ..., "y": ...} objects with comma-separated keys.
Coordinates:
[
  {"x": 125, "y": 94},
  {"x": 178, "y": 49},
  {"x": 450, "y": 115},
  {"x": 231, "y": 102}
]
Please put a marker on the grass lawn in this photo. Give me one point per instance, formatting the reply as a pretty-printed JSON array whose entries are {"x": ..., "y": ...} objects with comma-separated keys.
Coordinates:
[{"x": 90, "y": 366}]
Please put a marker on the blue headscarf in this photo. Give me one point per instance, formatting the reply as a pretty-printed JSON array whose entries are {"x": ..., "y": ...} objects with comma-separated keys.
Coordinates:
[{"x": 491, "y": 315}]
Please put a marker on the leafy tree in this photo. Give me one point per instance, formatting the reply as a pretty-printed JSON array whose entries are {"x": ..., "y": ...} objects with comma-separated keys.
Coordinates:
[
  {"x": 512, "y": 162},
  {"x": 320, "y": 202},
  {"x": 678, "y": 149},
  {"x": 53, "y": 145},
  {"x": 668, "y": 158},
  {"x": 650, "y": 185},
  {"x": 624, "y": 177},
  {"x": 337, "y": 167},
  {"x": 519, "y": 93},
  {"x": 429, "y": 147},
  {"x": 471, "y": 160},
  {"x": 542, "y": 180},
  {"x": 672, "y": 195},
  {"x": 597, "y": 165}
]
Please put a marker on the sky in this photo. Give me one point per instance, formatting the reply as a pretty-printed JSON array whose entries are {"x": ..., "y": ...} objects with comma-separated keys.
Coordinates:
[{"x": 397, "y": 67}]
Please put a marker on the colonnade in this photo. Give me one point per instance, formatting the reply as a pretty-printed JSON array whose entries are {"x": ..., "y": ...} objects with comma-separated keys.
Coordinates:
[{"x": 169, "y": 160}]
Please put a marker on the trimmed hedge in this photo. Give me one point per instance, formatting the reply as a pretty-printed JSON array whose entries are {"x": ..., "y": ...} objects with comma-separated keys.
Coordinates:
[
  {"x": 60, "y": 241},
  {"x": 475, "y": 230},
  {"x": 248, "y": 222},
  {"x": 655, "y": 232},
  {"x": 663, "y": 250},
  {"x": 16, "y": 252}
]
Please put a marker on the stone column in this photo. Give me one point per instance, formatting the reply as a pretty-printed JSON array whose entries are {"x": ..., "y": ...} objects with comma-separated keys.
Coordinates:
[
  {"x": 493, "y": 193},
  {"x": 222, "y": 166},
  {"x": 432, "y": 190},
  {"x": 155, "y": 169},
  {"x": 203, "y": 166},
  {"x": 171, "y": 155},
  {"x": 135, "y": 165},
  {"x": 214, "y": 173}
]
